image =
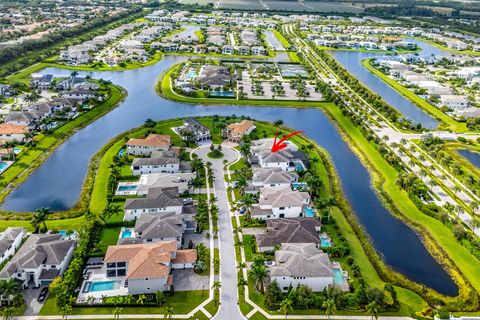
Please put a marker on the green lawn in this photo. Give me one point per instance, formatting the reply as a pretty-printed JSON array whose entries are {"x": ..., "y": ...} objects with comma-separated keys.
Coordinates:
[
  {"x": 182, "y": 302},
  {"x": 384, "y": 177},
  {"x": 447, "y": 121},
  {"x": 249, "y": 245},
  {"x": 108, "y": 237}
]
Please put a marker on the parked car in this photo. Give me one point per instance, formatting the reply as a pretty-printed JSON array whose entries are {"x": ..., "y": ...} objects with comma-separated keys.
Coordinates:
[{"x": 42, "y": 295}]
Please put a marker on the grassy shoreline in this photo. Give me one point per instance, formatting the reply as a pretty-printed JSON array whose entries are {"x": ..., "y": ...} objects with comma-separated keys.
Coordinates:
[
  {"x": 437, "y": 238},
  {"x": 448, "y": 123},
  {"x": 46, "y": 145}
]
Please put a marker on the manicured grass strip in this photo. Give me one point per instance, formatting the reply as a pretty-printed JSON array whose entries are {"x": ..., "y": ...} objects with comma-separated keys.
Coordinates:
[
  {"x": 384, "y": 177},
  {"x": 182, "y": 302},
  {"x": 282, "y": 39},
  {"x": 437, "y": 113}
]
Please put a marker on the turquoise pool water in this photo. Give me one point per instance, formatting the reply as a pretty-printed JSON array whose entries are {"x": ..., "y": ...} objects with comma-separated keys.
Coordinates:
[
  {"x": 191, "y": 74},
  {"x": 121, "y": 152},
  {"x": 127, "y": 188},
  {"x": 298, "y": 167},
  {"x": 104, "y": 285},
  {"x": 309, "y": 212},
  {"x": 338, "y": 276},
  {"x": 3, "y": 166},
  {"x": 127, "y": 233},
  {"x": 225, "y": 94},
  {"x": 299, "y": 186},
  {"x": 325, "y": 242}
]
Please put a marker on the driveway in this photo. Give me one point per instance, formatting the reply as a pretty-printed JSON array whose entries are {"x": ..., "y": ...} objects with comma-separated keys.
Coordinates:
[
  {"x": 33, "y": 306},
  {"x": 228, "y": 272},
  {"x": 188, "y": 280}
]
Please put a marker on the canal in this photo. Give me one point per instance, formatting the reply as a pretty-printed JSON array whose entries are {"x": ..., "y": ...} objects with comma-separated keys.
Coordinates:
[
  {"x": 58, "y": 182},
  {"x": 351, "y": 61}
]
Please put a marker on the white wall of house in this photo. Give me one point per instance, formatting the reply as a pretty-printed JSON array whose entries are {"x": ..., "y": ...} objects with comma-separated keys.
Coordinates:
[
  {"x": 182, "y": 266},
  {"x": 315, "y": 283},
  {"x": 13, "y": 247},
  {"x": 143, "y": 150},
  {"x": 282, "y": 165},
  {"x": 166, "y": 168},
  {"x": 135, "y": 213},
  {"x": 147, "y": 285},
  {"x": 270, "y": 185},
  {"x": 11, "y": 137}
]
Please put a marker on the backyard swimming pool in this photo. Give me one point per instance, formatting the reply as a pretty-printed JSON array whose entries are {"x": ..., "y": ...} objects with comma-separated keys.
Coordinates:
[
  {"x": 325, "y": 242},
  {"x": 4, "y": 165},
  {"x": 127, "y": 188},
  {"x": 309, "y": 212},
  {"x": 102, "y": 286},
  {"x": 223, "y": 94},
  {"x": 127, "y": 233},
  {"x": 301, "y": 186},
  {"x": 338, "y": 276}
]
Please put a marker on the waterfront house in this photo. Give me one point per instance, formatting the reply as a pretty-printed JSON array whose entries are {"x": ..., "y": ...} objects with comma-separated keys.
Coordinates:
[
  {"x": 271, "y": 178},
  {"x": 277, "y": 203},
  {"x": 302, "y": 264},
  {"x": 20, "y": 118},
  {"x": 39, "y": 260},
  {"x": 158, "y": 200},
  {"x": 163, "y": 161},
  {"x": 147, "y": 267},
  {"x": 145, "y": 147},
  {"x": 41, "y": 82},
  {"x": 155, "y": 228},
  {"x": 193, "y": 130},
  {"x": 214, "y": 77},
  {"x": 12, "y": 132},
  {"x": 454, "y": 101},
  {"x": 289, "y": 230},
  {"x": 234, "y": 132},
  {"x": 10, "y": 241}
]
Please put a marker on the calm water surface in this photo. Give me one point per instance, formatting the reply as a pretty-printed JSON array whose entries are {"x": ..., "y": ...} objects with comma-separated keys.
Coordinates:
[
  {"x": 352, "y": 62},
  {"x": 58, "y": 182},
  {"x": 473, "y": 157}
]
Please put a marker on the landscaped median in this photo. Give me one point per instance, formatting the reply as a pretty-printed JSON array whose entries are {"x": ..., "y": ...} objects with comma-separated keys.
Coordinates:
[
  {"x": 34, "y": 156},
  {"x": 438, "y": 239},
  {"x": 165, "y": 89},
  {"x": 447, "y": 122}
]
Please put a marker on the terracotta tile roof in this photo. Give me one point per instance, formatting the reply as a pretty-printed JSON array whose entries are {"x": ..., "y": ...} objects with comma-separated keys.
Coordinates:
[
  {"x": 185, "y": 256},
  {"x": 6, "y": 128},
  {"x": 240, "y": 128},
  {"x": 153, "y": 140},
  {"x": 144, "y": 260}
]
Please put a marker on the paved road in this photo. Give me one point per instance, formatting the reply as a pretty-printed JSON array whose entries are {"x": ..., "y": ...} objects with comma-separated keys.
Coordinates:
[{"x": 229, "y": 309}]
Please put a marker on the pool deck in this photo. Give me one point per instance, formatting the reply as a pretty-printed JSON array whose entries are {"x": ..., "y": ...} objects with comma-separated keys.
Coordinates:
[{"x": 95, "y": 275}]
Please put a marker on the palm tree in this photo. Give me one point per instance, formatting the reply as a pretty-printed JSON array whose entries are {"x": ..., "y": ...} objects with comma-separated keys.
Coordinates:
[
  {"x": 39, "y": 219},
  {"x": 474, "y": 206},
  {"x": 372, "y": 309},
  {"x": 8, "y": 313},
  {"x": 66, "y": 310},
  {"x": 168, "y": 313},
  {"x": 278, "y": 123},
  {"x": 159, "y": 298},
  {"x": 149, "y": 123},
  {"x": 286, "y": 305},
  {"x": 216, "y": 287},
  {"x": 259, "y": 274},
  {"x": 117, "y": 312},
  {"x": 10, "y": 146},
  {"x": 330, "y": 307},
  {"x": 141, "y": 299},
  {"x": 9, "y": 289}
]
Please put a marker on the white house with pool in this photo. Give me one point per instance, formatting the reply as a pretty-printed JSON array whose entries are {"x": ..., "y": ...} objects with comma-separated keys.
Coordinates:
[
  {"x": 305, "y": 264},
  {"x": 136, "y": 269}
]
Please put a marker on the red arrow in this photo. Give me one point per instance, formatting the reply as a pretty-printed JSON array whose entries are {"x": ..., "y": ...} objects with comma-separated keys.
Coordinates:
[{"x": 279, "y": 145}]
